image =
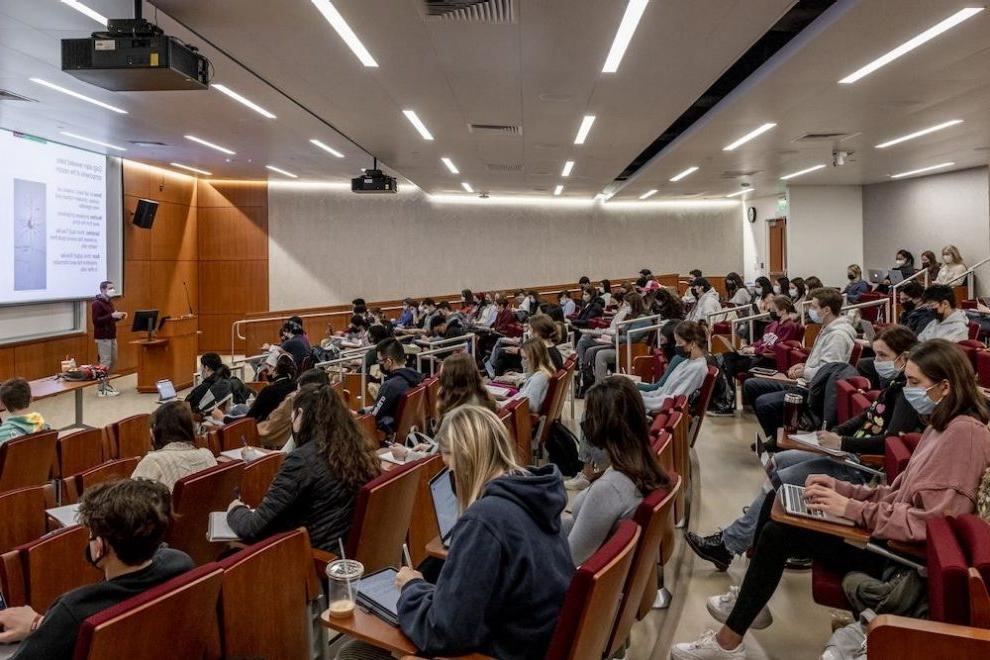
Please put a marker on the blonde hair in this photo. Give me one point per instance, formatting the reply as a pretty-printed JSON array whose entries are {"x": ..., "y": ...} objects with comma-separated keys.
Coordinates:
[
  {"x": 954, "y": 252},
  {"x": 856, "y": 271},
  {"x": 538, "y": 356},
  {"x": 479, "y": 444}
]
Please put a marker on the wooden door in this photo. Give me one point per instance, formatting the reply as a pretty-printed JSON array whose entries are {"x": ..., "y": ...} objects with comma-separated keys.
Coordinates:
[{"x": 777, "y": 236}]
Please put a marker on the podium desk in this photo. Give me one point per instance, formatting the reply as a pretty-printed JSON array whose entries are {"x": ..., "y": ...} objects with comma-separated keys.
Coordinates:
[{"x": 170, "y": 354}]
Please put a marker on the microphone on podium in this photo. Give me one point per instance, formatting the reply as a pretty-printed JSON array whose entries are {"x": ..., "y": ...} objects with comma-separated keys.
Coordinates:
[{"x": 188, "y": 302}]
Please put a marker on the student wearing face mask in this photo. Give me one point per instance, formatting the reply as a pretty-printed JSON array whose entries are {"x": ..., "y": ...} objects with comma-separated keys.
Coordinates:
[
  {"x": 784, "y": 326},
  {"x": 941, "y": 479},
  {"x": 904, "y": 265},
  {"x": 796, "y": 291},
  {"x": 567, "y": 304},
  {"x": 707, "y": 301},
  {"x": 930, "y": 263},
  {"x": 398, "y": 380},
  {"x": 782, "y": 286},
  {"x": 691, "y": 343},
  {"x": 949, "y": 323},
  {"x": 857, "y": 286},
  {"x": 592, "y": 306},
  {"x": 105, "y": 319},
  {"x": 953, "y": 267},
  {"x": 915, "y": 313}
]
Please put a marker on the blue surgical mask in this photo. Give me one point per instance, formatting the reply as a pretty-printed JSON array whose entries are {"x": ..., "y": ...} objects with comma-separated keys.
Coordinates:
[
  {"x": 919, "y": 399},
  {"x": 886, "y": 369},
  {"x": 814, "y": 315}
]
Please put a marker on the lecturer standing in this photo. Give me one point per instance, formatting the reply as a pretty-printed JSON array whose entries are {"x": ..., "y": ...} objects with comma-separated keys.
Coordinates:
[{"x": 105, "y": 319}]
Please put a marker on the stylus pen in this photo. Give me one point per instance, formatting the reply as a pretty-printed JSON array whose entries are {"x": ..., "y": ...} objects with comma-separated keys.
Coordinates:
[{"x": 405, "y": 555}]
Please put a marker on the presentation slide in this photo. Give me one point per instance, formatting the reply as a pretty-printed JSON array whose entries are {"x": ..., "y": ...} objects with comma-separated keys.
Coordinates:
[{"x": 53, "y": 221}]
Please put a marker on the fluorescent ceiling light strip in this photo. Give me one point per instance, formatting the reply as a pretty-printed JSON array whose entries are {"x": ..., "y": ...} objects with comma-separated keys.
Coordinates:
[
  {"x": 627, "y": 28},
  {"x": 568, "y": 166},
  {"x": 191, "y": 169},
  {"x": 345, "y": 32},
  {"x": 800, "y": 172},
  {"x": 91, "y": 140},
  {"x": 467, "y": 187},
  {"x": 921, "y": 171},
  {"x": 740, "y": 192},
  {"x": 206, "y": 143},
  {"x": 329, "y": 150},
  {"x": 912, "y": 43},
  {"x": 81, "y": 97},
  {"x": 281, "y": 171},
  {"x": 686, "y": 173},
  {"x": 242, "y": 100},
  {"x": 749, "y": 136},
  {"x": 559, "y": 189},
  {"x": 88, "y": 11},
  {"x": 924, "y": 131},
  {"x": 418, "y": 124},
  {"x": 584, "y": 129},
  {"x": 511, "y": 200},
  {"x": 450, "y": 165},
  {"x": 648, "y": 194}
]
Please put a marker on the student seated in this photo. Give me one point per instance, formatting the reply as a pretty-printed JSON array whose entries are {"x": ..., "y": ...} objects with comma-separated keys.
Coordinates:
[
  {"x": 174, "y": 453},
  {"x": 211, "y": 369},
  {"x": 949, "y": 323},
  {"x": 738, "y": 293},
  {"x": 283, "y": 383},
  {"x": 941, "y": 479},
  {"x": 784, "y": 326},
  {"x": 15, "y": 394},
  {"x": 903, "y": 269},
  {"x": 407, "y": 319},
  {"x": 592, "y": 306},
  {"x": 567, "y": 304},
  {"x": 797, "y": 291},
  {"x": 857, "y": 286},
  {"x": 596, "y": 348},
  {"x": 275, "y": 432},
  {"x": 398, "y": 380},
  {"x": 506, "y": 353},
  {"x": 866, "y": 433},
  {"x": 295, "y": 342},
  {"x": 691, "y": 343},
  {"x": 316, "y": 486},
  {"x": 916, "y": 315},
  {"x": 127, "y": 520},
  {"x": 707, "y": 301},
  {"x": 953, "y": 267},
  {"x": 833, "y": 344},
  {"x": 615, "y": 423},
  {"x": 539, "y": 370},
  {"x": 484, "y": 313},
  {"x": 508, "y": 568}
]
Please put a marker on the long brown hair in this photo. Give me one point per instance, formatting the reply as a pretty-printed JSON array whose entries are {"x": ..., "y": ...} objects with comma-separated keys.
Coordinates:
[
  {"x": 941, "y": 360},
  {"x": 538, "y": 356},
  {"x": 329, "y": 423},
  {"x": 460, "y": 382},
  {"x": 172, "y": 422},
  {"x": 615, "y": 420}
]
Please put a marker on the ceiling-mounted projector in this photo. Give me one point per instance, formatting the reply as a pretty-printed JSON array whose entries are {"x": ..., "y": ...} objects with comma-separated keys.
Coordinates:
[{"x": 374, "y": 181}]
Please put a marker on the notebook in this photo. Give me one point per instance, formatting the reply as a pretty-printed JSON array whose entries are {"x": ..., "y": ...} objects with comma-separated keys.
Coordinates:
[
  {"x": 65, "y": 515},
  {"x": 377, "y": 592},
  {"x": 389, "y": 457},
  {"x": 793, "y": 500},
  {"x": 445, "y": 505},
  {"x": 811, "y": 439},
  {"x": 499, "y": 390},
  {"x": 254, "y": 454},
  {"x": 219, "y": 530}
]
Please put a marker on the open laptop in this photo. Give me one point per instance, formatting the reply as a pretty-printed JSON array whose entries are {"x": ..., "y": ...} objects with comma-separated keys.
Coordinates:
[
  {"x": 793, "y": 501},
  {"x": 444, "y": 504},
  {"x": 166, "y": 391},
  {"x": 876, "y": 275},
  {"x": 377, "y": 592}
]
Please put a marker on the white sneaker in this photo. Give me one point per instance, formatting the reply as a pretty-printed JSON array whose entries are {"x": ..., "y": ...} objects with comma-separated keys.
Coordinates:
[
  {"x": 111, "y": 392},
  {"x": 577, "y": 482},
  {"x": 721, "y": 606},
  {"x": 706, "y": 648}
]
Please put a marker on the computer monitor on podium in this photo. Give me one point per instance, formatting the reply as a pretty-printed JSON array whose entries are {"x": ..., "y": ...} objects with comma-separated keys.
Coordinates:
[{"x": 145, "y": 321}]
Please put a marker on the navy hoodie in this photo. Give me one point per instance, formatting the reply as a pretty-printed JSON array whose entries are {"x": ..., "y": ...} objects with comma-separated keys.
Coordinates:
[
  {"x": 387, "y": 404},
  {"x": 503, "y": 584}
]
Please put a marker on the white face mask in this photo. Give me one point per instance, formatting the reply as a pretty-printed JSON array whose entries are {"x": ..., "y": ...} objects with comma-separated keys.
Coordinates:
[
  {"x": 776, "y": 289},
  {"x": 111, "y": 292},
  {"x": 947, "y": 259},
  {"x": 793, "y": 292},
  {"x": 899, "y": 262}
]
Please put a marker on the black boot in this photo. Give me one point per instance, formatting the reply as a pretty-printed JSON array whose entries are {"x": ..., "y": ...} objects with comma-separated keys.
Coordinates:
[{"x": 710, "y": 548}]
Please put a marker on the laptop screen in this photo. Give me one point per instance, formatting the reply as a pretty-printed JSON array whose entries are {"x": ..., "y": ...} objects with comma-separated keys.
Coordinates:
[
  {"x": 444, "y": 502},
  {"x": 166, "y": 390},
  {"x": 380, "y": 589}
]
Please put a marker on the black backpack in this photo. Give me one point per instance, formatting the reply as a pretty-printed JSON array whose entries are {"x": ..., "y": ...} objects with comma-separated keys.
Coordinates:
[{"x": 562, "y": 450}]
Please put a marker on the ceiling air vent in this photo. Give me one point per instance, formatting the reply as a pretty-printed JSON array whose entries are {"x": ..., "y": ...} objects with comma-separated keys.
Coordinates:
[
  {"x": 148, "y": 143},
  {"x": 504, "y": 167},
  {"x": 6, "y": 95},
  {"x": 738, "y": 174},
  {"x": 470, "y": 11},
  {"x": 494, "y": 129},
  {"x": 817, "y": 137}
]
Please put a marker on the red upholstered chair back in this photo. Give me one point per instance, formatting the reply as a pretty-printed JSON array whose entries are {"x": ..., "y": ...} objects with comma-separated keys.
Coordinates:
[
  {"x": 136, "y": 628},
  {"x": 857, "y": 352},
  {"x": 983, "y": 368},
  {"x": 193, "y": 498},
  {"x": 947, "y": 573},
  {"x": 592, "y": 600},
  {"x": 859, "y": 403},
  {"x": 782, "y": 353},
  {"x": 22, "y": 512},
  {"x": 53, "y": 565},
  {"x": 971, "y": 347},
  {"x": 973, "y": 534},
  {"x": 258, "y": 476},
  {"x": 76, "y": 484},
  {"x": 80, "y": 451},
  {"x": 130, "y": 436},
  {"x": 553, "y": 402},
  {"x": 974, "y": 330},
  {"x": 655, "y": 517},
  {"x": 701, "y": 405},
  {"x": 236, "y": 434},
  {"x": 27, "y": 460},
  {"x": 663, "y": 446},
  {"x": 369, "y": 429},
  {"x": 264, "y": 600},
  {"x": 432, "y": 385},
  {"x": 515, "y": 415},
  {"x": 844, "y": 389},
  {"x": 897, "y": 453}
]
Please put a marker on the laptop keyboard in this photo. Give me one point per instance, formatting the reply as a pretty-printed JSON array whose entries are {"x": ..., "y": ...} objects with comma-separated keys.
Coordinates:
[{"x": 795, "y": 504}]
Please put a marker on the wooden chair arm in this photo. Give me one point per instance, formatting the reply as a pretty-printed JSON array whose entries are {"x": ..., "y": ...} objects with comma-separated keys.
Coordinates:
[
  {"x": 900, "y": 638},
  {"x": 911, "y": 550},
  {"x": 320, "y": 560},
  {"x": 872, "y": 460}
]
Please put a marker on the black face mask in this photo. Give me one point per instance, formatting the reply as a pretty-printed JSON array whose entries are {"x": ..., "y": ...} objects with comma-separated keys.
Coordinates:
[
  {"x": 939, "y": 316},
  {"x": 680, "y": 350},
  {"x": 908, "y": 306},
  {"x": 89, "y": 557},
  {"x": 850, "y": 276},
  {"x": 774, "y": 316}
]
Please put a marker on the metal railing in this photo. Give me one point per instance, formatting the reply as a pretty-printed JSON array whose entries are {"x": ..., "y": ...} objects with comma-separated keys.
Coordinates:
[
  {"x": 801, "y": 306},
  {"x": 630, "y": 342},
  {"x": 628, "y": 335},
  {"x": 970, "y": 282},
  {"x": 884, "y": 302},
  {"x": 746, "y": 319},
  {"x": 465, "y": 342},
  {"x": 725, "y": 311}
]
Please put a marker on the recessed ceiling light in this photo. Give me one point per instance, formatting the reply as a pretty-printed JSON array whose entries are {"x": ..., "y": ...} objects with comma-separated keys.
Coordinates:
[
  {"x": 242, "y": 100},
  {"x": 344, "y": 31},
  {"x": 924, "y": 131},
  {"x": 800, "y": 172},
  {"x": 648, "y": 194},
  {"x": 83, "y": 9},
  {"x": 686, "y": 173},
  {"x": 418, "y": 124},
  {"x": 281, "y": 171},
  {"x": 81, "y": 97},
  {"x": 740, "y": 192},
  {"x": 568, "y": 166},
  {"x": 209, "y": 144},
  {"x": 559, "y": 189},
  {"x": 584, "y": 129},
  {"x": 921, "y": 171},
  {"x": 191, "y": 169},
  {"x": 912, "y": 43},
  {"x": 630, "y": 19},
  {"x": 91, "y": 140},
  {"x": 329, "y": 150},
  {"x": 450, "y": 165},
  {"x": 467, "y": 186},
  {"x": 756, "y": 132}
]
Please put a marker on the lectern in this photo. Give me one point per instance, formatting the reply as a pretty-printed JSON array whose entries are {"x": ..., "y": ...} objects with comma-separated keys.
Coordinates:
[{"x": 171, "y": 354}]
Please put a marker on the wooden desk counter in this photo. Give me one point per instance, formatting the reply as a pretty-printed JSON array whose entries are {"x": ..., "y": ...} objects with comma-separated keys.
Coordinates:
[
  {"x": 369, "y": 628},
  {"x": 49, "y": 386}
]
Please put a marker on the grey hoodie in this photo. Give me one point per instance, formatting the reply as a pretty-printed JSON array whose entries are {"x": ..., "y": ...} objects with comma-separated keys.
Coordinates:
[
  {"x": 955, "y": 327},
  {"x": 834, "y": 344}
]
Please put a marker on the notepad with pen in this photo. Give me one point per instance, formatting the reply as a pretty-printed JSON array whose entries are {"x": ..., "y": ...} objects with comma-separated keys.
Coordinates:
[{"x": 810, "y": 439}]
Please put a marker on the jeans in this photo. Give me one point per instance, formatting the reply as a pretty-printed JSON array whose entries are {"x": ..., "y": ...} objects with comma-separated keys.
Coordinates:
[
  {"x": 499, "y": 361},
  {"x": 604, "y": 358},
  {"x": 775, "y": 544},
  {"x": 584, "y": 343},
  {"x": 792, "y": 467},
  {"x": 107, "y": 350},
  {"x": 768, "y": 402}
]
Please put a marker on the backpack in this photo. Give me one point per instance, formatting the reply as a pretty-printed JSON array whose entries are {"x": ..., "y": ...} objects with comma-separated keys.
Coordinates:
[
  {"x": 87, "y": 372},
  {"x": 562, "y": 450}
]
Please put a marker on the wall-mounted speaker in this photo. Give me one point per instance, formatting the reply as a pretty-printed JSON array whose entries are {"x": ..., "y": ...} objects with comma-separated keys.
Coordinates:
[{"x": 144, "y": 214}]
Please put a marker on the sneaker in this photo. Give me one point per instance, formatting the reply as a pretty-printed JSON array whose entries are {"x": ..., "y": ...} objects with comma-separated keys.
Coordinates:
[
  {"x": 721, "y": 606},
  {"x": 577, "y": 482},
  {"x": 112, "y": 393},
  {"x": 706, "y": 648},
  {"x": 798, "y": 564},
  {"x": 722, "y": 412},
  {"x": 710, "y": 548},
  {"x": 101, "y": 393}
]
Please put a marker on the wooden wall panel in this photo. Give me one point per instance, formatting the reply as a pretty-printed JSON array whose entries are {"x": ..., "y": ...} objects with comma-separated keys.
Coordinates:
[
  {"x": 230, "y": 194},
  {"x": 227, "y": 287},
  {"x": 174, "y": 233},
  {"x": 7, "y": 363},
  {"x": 215, "y": 329},
  {"x": 40, "y": 359},
  {"x": 233, "y": 233},
  {"x": 166, "y": 286}
]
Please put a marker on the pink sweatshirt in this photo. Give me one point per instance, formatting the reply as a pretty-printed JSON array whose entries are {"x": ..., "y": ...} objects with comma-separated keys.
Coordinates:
[{"x": 941, "y": 479}]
